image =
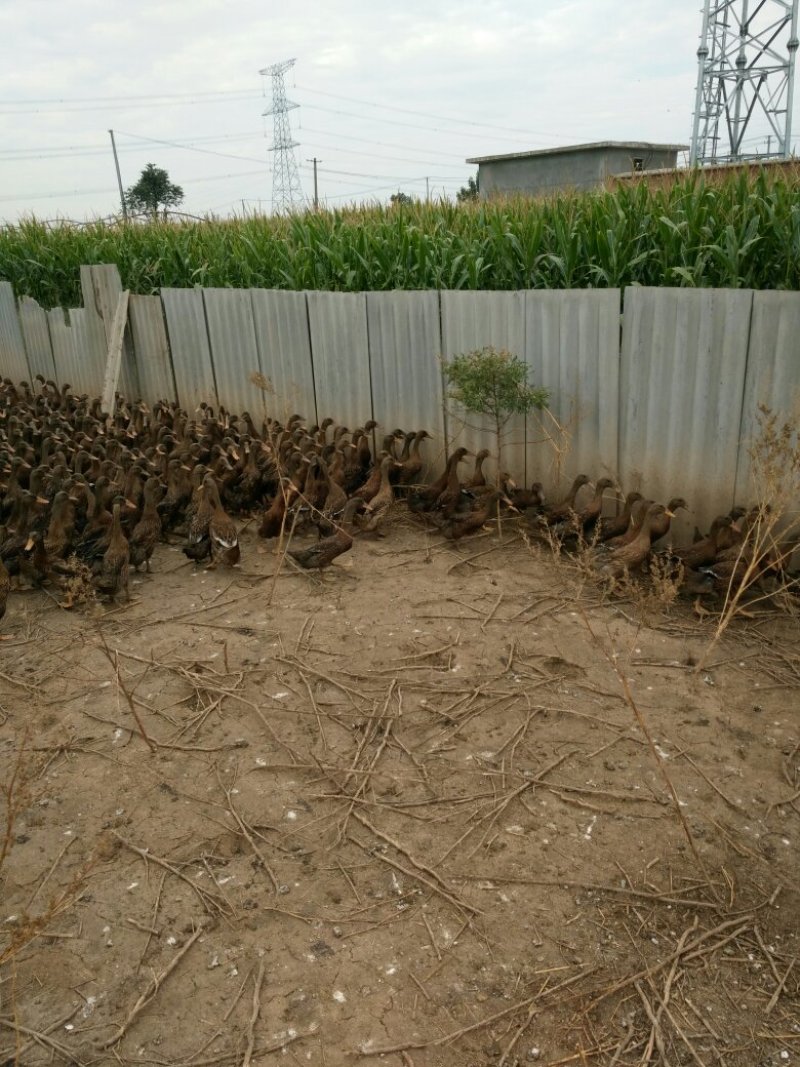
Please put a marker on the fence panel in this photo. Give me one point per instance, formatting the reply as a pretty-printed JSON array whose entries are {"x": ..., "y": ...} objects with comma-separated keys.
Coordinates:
[
  {"x": 404, "y": 348},
  {"x": 572, "y": 348},
  {"x": 188, "y": 342},
  {"x": 12, "y": 347},
  {"x": 684, "y": 354},
  {"x": 472, "y": 320},
  {"x": 36, "y": 336},
  {"x": 79, "y": 349},
  {"x": 280, "y": 319},
  {"x": 338, "y": 328},
  {"x": 149, "y": 334},
  {"x": 234, "y": 353},
  {"x": 101, "y": 287},
  {"x": 772, "y": 379}
]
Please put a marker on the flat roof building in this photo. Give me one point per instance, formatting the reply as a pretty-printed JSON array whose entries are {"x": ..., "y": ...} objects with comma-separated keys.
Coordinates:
[{"x": 581, "y": 166}]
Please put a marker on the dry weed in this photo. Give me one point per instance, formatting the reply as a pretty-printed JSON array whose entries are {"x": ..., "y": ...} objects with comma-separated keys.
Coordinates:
[{"x": 773, "y": 526}]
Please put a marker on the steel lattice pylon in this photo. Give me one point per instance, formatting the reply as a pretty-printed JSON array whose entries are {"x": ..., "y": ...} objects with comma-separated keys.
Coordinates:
[
  {"x": 745, "y": 81},
  {"x": 287, "y": 194}
]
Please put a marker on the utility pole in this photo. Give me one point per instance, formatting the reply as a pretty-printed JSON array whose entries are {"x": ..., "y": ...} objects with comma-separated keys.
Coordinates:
[
  {"x": 316, "y": 196},
  {"x": 287, "y": 194},
  {"x": 119, "y": 177},
  {"x": 428, "y": 190}
]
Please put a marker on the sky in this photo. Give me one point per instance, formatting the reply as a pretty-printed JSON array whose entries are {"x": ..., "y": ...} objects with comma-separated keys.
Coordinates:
[{"x": 391, "y": 97}]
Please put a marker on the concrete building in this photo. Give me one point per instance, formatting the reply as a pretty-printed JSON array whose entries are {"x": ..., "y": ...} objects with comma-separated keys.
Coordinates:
[{"x": 581, "y": 166}]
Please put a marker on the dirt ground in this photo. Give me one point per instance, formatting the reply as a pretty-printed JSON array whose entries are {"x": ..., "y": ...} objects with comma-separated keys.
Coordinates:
[{"x": 403, "y": 815}]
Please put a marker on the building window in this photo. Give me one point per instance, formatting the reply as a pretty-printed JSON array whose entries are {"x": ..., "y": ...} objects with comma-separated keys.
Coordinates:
[{"x": 638, "y": 163}]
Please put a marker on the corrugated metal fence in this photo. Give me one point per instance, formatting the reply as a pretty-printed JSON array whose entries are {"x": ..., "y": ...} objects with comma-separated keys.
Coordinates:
[{"x": 664, "y": 396}]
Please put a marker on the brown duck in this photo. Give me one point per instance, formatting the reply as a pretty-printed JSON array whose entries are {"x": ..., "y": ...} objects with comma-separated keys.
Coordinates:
[
  {"x": 565, "y": 509},
  {"x": 638, "y": 513},
  {"x": 661, "y": 526},
  {"x": 113, "y": 576},
  {"x": 525, "y": 499},
  {"x": 478, "y": 478},
  {"x": 222, "y": 533},
  {"x": 584, "y": 520},
  {"x": 616, "y": 527},
  {"x": 379, "y": 508},
  {"x": 464, "y": 525},
  {"x": 147, "y": 531},
  {"x": 274, "y": 517},
  {"x": 198, "y": 542},
  {"x": 425, "y": 499},
  {"x": 412, "y": 466},
  {"x": 629, "y": 557},
  {"x": 703, "y": 553},
  {"x": 324, "y": 552}
]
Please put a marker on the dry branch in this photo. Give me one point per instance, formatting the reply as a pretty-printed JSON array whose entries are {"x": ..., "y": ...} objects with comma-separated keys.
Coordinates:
[{"x": 152, "y": 990}]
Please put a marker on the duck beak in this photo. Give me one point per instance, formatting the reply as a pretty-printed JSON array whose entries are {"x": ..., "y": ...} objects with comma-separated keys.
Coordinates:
[
  {"x": 670, "y": 513},
  {"x": 29, "y": 544},
  {"x": 130, "y": 505}
]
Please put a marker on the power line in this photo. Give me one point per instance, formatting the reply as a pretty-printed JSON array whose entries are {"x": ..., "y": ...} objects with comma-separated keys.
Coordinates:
[
  {"x": 411, "y": 125},
  {"x": 98, "y": 192},
  {"x": 380, "y": 177},
  {"x": 126, "y": 105},
  {"x": 424, "y": 114},
  {"x": 133, "y": 96},
  {"x": 55, "y": 151},
  {"x": 190, "y": 148},
  {"x": 367, "y": 140}
]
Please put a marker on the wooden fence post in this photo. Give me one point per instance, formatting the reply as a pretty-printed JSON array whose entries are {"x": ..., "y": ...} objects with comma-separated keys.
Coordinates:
[{"x": 114, "y": 358}]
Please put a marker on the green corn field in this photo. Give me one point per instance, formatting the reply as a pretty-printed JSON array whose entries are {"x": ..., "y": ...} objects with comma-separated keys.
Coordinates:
[{"x": 740, "y": 232}]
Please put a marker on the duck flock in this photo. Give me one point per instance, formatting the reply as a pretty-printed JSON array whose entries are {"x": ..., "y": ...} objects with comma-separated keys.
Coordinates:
[{"x": 83, "y": 494}]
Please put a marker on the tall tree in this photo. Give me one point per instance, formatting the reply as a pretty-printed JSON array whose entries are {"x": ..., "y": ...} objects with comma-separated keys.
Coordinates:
[
  {"x": 153, "y": 190},
  {"x": 469, "y": 191}
]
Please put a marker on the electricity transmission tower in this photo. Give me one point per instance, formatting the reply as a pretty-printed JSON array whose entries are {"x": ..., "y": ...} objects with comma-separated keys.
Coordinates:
[
  {"x": 745, "y": 81},
  {"x": 287, "y": 195}
]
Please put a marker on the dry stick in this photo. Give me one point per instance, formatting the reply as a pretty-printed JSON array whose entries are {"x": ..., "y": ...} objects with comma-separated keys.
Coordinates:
[
  {"x": 251, "y": 1027},
  {"x": 683, "y": 1037},
  {"x": 523, "y": 1026},
  {"x": 689, "y": 952},
  {"x": 403, "y": 851},
  {"x": 728, "y": 801},
  {"x": 593, "y": 887},
  {"x": 46, "y": 878},
  {"x": 230, "y": 1057},
  {"x": 492, "y": 612},
  {"x": 156, "y": 906},
  {"x": 653, "y": 749},
  {"x": 152, "y": 989},
  {"x": 115, "y": 664},
  {"x": 767, "y": 953},
  {"x": 498, "y": 810},
  {"x": 455, "y": 1034},
  {"x": 656, "y": 1038},
  {"x": 477, "y": 555},
  {"x": 43, "y": 1039},
  {"x": 248, "y": 836},
  {"x": 210, "y": 901},
  {"x": 460, "y": 905},
  {"x": 316, "y": 711},
  {"x": 282, "y": 549},
  {"x": 7, "y": 1054},
  {"x": 773, "y": 1000}
]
